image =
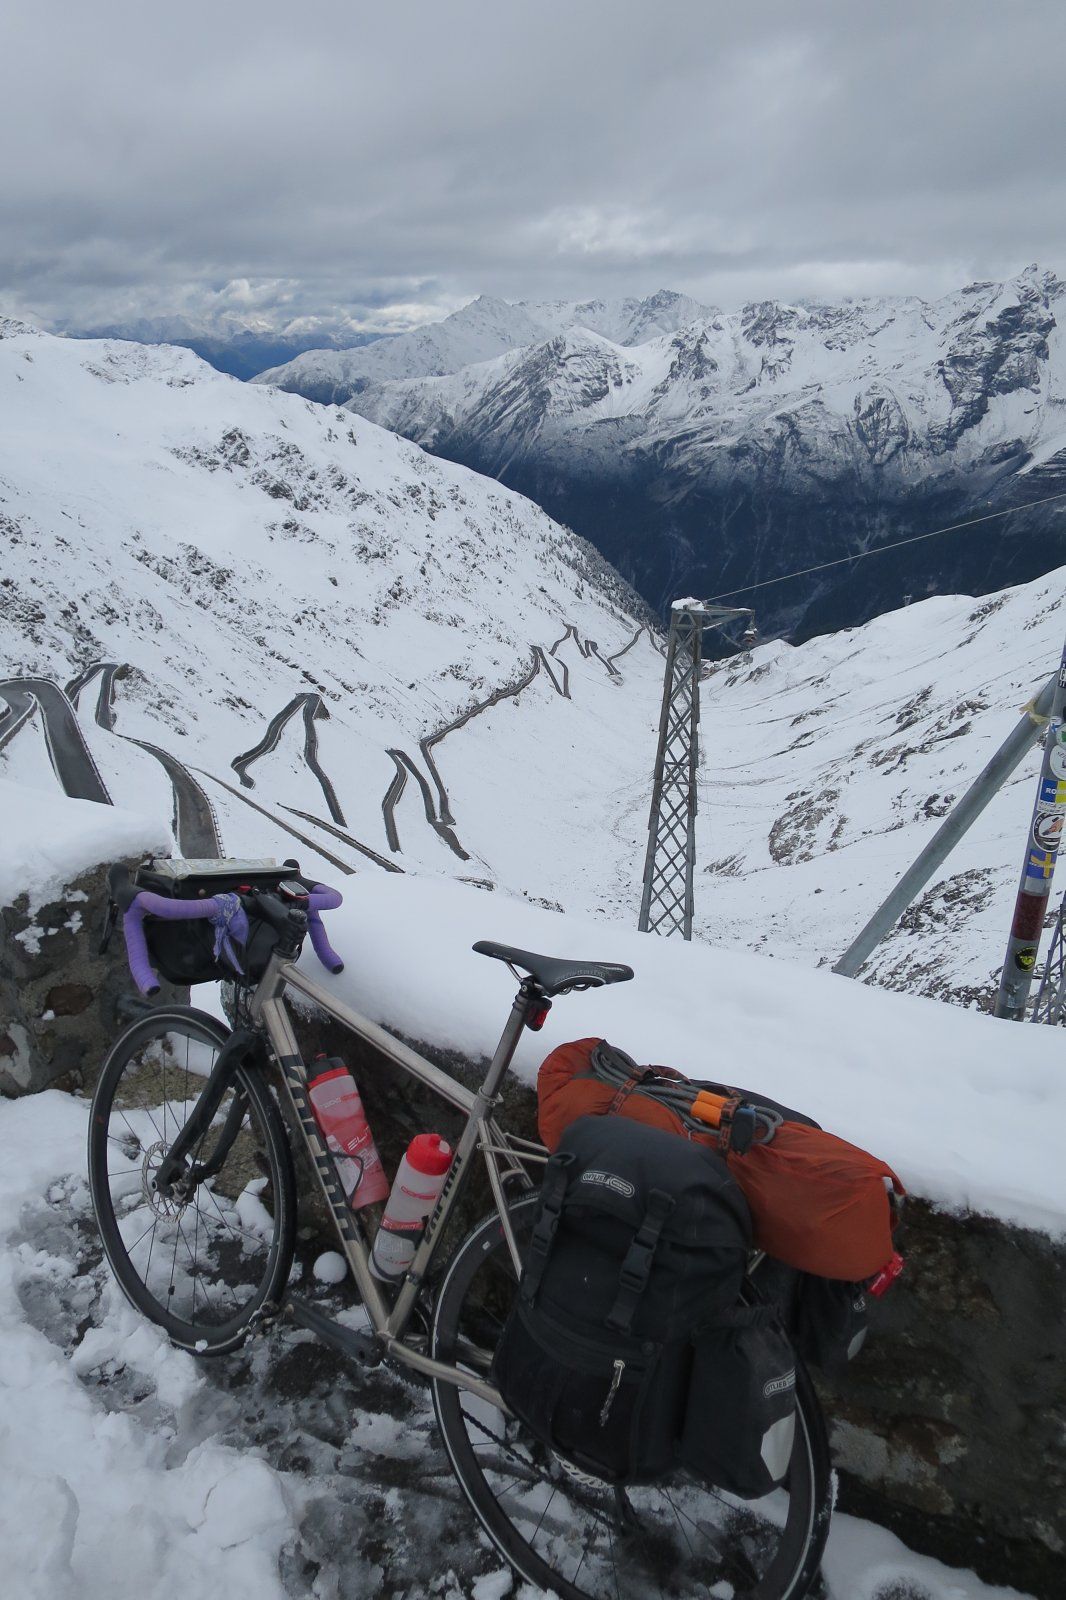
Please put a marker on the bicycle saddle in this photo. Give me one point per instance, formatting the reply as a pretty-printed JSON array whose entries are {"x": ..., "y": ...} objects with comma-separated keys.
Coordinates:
[{"x": 553, "y": 975}]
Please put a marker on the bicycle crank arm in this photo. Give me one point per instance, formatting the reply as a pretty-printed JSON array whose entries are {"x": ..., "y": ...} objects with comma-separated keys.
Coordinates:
[
  {"x": 364, "y": 1347},
  {"x": 370, "y": 1350}
]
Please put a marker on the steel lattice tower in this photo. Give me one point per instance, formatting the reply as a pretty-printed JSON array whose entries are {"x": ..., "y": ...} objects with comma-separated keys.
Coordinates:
[
  {"x": 1050, "y": 1002},
  {"x": 666, "y": 902}
]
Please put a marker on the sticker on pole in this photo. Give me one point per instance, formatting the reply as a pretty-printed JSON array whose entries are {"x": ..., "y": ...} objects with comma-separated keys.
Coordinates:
[
  {"x": 1025, "y": 960},
  {"x": 1047, "y": 829},
  {"x": 1052, "y": 794},
  {"x": 1057, "y": 760},
  {"x": 1040, "y": 865}
]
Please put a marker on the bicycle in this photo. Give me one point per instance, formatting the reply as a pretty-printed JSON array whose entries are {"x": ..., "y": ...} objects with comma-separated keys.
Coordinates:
[{"x": 197, "y": 1174}]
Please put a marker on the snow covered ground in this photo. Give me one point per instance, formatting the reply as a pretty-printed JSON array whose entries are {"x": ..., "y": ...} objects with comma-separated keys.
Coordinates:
[
  {"x": 131, "y": 1471},
  {"x": 131, "y": 1468}
]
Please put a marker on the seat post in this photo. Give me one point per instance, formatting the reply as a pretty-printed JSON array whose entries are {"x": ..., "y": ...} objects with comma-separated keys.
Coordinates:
[{"x": 512, "y": 1032}]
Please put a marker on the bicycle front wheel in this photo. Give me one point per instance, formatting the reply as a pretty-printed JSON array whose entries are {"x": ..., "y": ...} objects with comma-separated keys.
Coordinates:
[
  {"x": 200, "y": 1264},
  {"x": 584, "y": 1539}
]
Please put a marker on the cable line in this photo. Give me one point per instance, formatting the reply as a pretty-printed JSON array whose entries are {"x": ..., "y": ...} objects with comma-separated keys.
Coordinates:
[{"x": 880, "y": 549}]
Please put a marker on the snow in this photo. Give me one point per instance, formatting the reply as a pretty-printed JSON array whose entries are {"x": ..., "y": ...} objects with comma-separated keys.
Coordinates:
[
  {"x": 330, "y": 1267},
  {"x": 231, "y": 572},
  {"x": 49, "y": 840},
  {"x": 118, "y": 1481},
  {"x": 479, "y": 332},
  {"x": 824, "y": 769},
  {"x": 863, "y": 1562},
  {"x": 94, "y": 1502},
  {"x": 962, "y": 1106}
]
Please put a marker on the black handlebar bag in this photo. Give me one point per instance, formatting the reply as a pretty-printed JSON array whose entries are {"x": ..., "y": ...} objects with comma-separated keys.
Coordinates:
[
  {"x": 189, "y": 952},
  {"x": 639, "y": 1242}
]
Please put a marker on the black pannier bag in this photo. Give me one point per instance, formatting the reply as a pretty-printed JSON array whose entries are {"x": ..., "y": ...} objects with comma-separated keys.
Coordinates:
[
  {"x": 184, "y": 952},
  {"x": 740, "y": 1420},
  {"x": 826, "y": 1318},
  {"x": 637, "y": 1259},
  {"x": 829, "y": 1322}
]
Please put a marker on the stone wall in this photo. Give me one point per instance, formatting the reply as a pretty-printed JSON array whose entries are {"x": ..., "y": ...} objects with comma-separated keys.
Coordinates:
[{"x": 57, "y": 993}]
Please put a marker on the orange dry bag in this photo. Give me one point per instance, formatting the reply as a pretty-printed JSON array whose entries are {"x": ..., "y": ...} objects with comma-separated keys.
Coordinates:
[{"x": 817, "y": 1203}]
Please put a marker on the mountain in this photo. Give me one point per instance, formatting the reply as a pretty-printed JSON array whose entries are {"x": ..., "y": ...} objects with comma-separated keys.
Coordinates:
[
  {"x": 253, "y": 585},
  {"x": 281, "y": 622},
  {"x": 228, "y": 345},
  {"x": 733, "y": 449},
  {"x": 478, "y": 332}
]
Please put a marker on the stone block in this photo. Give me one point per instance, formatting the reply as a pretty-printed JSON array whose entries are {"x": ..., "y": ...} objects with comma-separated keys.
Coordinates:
[{"x": 57, "y": 992}]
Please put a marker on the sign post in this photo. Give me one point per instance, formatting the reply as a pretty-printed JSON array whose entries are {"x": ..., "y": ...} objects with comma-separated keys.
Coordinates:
[{"x": 1038, "y": 867}]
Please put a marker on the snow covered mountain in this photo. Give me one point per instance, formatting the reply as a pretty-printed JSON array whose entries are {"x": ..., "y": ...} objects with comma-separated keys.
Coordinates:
[
  {"x": 478, "y": 332},
  {"x": 230, "y": 344},
  {"x": 729, "y": 450},
  {"x": 241, "y": 579},
  {"x": 284, "y": 625}
]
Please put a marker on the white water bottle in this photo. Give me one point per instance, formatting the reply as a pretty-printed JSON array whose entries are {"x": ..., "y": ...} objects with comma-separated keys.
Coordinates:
[{"x": 415, "y": 1191}]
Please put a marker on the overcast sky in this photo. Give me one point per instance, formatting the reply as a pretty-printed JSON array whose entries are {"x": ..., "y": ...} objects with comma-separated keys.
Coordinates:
[{"x": 381, "y": 164}]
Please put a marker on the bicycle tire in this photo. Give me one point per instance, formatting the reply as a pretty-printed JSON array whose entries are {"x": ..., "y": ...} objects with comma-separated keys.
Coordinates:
[
  {"x": 229, "y": 1246},
  {"x": 478, "y": 1438}
]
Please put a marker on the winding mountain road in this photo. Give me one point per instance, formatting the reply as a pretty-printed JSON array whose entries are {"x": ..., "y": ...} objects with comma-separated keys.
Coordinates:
[
  {"x": 439, "y": 814},
  {"x": 313, "y": 709},
  {"x": 195, "y": 824},
  {"x": 70, "y": 756}
]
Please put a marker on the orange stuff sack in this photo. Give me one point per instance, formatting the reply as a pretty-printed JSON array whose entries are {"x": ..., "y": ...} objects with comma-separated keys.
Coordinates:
[{"x": 817, "y": 1203}]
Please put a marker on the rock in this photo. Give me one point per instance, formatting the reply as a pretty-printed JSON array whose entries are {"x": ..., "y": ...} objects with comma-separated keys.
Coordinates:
[{"x": 57, "y": 993}]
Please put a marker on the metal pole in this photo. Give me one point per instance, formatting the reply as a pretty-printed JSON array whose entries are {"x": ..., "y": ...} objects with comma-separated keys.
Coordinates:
[
  {"x": 951, "y": 830},
  {"x": 1038, "y": 866}
]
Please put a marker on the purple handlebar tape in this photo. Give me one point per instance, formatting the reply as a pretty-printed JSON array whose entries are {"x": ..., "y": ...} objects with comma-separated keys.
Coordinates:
[
  {"x": 323, "y": 899},
  {"x": 156, "y": 905}
]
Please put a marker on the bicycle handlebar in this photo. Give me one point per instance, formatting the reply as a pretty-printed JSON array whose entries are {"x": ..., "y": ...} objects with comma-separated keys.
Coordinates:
[{"x": 145, "y": 903}]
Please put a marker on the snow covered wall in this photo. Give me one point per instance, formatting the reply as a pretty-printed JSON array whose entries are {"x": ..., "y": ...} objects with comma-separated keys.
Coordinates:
[{"x": 57, "y": 990}]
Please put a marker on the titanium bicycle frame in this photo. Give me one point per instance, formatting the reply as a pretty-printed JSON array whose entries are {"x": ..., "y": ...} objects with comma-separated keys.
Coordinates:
[{"x": 506, "y": 1156}]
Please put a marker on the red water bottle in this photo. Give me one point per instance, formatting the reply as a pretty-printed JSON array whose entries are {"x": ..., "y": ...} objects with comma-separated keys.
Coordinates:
[
  {"x": 415, "y": 1190},
  {"x": 339, "y": 1113}
]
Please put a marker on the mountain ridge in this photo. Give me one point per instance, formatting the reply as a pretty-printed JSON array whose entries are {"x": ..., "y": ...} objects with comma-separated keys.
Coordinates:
[{"x": 736, "y": 448}]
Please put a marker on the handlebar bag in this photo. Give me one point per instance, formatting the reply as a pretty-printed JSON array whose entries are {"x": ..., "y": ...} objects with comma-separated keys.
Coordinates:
[
  {"x": 638, "y": 1243},
  {"x": 817, "y": 1203},
  {"x": 184, "y": 952}
]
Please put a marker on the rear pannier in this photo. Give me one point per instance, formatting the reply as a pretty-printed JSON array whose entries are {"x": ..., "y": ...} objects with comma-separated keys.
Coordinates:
[{"x": 627, "y": 1344}]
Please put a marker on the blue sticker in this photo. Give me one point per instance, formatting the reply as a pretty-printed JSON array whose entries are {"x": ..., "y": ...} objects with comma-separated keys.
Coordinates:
[{"x": 1040, "y": 865}]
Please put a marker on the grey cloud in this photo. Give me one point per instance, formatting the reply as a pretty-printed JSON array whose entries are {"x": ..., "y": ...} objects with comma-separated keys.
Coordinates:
[{"x": 374, "y": 165}]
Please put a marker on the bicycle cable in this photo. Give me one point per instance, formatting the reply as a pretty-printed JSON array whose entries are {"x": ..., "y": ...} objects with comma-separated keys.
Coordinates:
[{"x": 881, "y": 549}]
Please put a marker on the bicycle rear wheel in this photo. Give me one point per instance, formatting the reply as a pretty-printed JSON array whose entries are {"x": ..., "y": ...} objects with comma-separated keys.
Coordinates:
[
  {"x": 584, "y": 1539},
  {"x": 200, "y": 1265}
]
